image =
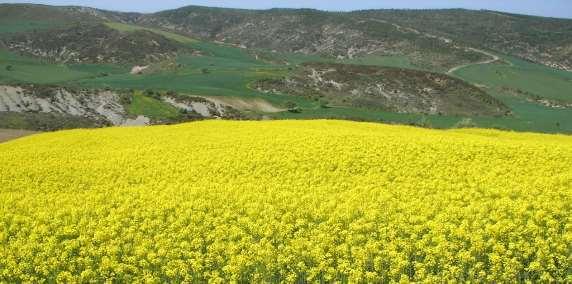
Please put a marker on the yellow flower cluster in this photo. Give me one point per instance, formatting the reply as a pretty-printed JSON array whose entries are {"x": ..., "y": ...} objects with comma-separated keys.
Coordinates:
[{"x": 286, "y": 201}]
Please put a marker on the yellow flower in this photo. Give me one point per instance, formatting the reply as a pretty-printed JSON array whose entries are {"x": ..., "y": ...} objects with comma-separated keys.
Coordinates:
[{"x": 286, "y": 201}]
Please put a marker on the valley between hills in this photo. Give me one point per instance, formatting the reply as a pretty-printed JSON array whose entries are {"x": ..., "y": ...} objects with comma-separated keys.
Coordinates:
[{"x": 79, "y": 67}]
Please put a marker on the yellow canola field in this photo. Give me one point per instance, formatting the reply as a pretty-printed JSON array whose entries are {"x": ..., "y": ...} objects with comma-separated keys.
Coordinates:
[{"x": 286, "y": 201}]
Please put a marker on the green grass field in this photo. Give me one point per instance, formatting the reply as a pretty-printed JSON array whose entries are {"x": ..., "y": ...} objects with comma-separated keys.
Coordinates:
[
  {"x": 31, "y": 70},
  {"x": 224, "y": 70},
  {"x": 11, "y": 26},
  {"x": 533, "y": 78},
  {"x": 151, "y": 107},
  {"x": 131, "y": 28},
  {"x": 537, "y": 79}
]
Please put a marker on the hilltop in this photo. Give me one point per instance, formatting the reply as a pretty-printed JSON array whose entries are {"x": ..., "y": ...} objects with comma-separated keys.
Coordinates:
[
  {"x": 438, "y": 33},
  {"x": 95, "y": 43},
  {"x": 285, "y": 201}
]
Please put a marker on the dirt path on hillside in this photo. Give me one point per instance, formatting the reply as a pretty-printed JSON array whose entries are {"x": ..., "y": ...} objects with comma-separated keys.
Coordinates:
[
  {"x": 492, "y": 59},
  {"x": 488, "y": 61},
  {"x": 11, "y": 134}
]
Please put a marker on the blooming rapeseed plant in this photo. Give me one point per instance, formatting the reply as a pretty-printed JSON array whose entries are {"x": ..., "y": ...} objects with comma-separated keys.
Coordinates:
[{"x": 286, "y": 201}]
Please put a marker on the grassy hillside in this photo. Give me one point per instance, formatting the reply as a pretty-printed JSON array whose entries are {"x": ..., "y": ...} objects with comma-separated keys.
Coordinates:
[
  {"x": 16, "y": 18},
  {"x": 312, "y": 32},
  {"x": 23, "y": 69},
  {"x": 226, "y": 58},
  {"x": 94, "y": 43},
  {"x": 390, "y": 89},
  {"x": 151, "y": 107},
  {"x": 290, "y": 201},
  {"x": 542, "y": 40},
  {"x": 538, "y": 96},
  {"x": 133, "y": 28},
  {"x": 431, "y": 38}
]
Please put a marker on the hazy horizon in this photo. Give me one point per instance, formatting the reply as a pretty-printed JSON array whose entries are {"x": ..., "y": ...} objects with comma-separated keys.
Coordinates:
[{"x": 548, "y": 8}]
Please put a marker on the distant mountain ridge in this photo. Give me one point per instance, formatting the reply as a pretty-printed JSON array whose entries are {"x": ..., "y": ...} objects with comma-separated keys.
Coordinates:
[
  {"x": 543, "y": 40},
  {"x": 438, "y": 39}
]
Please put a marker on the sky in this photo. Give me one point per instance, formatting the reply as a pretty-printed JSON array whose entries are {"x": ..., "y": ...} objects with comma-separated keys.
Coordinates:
[{"x": 549, "y": 8}]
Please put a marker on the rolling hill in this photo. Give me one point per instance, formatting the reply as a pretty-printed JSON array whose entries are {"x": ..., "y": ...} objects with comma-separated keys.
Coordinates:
[
  {"x": 225, "y": 154},
  {"x": 285, "y": 201},
  {"x": 546, "y": 41},
  {"x": 311, "y": 32},
  {"x": 435, "y": 33},
  {"x": 481, "y": 68},
  {"x": 96, "y": 43},
  {"x": 385, "y": 88}
]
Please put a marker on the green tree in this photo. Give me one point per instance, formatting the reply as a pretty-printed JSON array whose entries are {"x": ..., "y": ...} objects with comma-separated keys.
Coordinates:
[
  {"x": 324, "y": 103},
  {"x": 293, "y": 107}
]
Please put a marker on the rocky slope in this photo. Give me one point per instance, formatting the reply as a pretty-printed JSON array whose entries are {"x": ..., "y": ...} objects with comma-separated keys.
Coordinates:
[
  {"x": 440, "y": 35},
  {"x": 541, "y": 40},
  {"x": 389, "y": 89},
  {"x": 307, "y": 31},
  {"x": 433, "y": 38},
  {"x": 94, "y": 43},
  {"x": 98, "y": 107},
  {"x": 56, "y": 16}
]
